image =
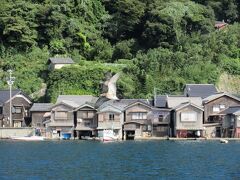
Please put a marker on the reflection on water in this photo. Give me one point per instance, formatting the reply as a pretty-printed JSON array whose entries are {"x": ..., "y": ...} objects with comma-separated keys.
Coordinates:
[{"x": 119, "y": 160}]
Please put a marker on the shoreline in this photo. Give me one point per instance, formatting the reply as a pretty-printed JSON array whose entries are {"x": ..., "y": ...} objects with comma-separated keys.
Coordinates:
[{"x": 144, "y": 139}]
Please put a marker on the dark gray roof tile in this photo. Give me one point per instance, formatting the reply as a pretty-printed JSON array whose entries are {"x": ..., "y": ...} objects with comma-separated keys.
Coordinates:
[
  {"x": 61, "y": 60},
  {"x": 5, "y": 95},
  {"x": 160, "y": 101},
  {"x": 41, "y": 107},
  {"x": 199, "y": 90}
]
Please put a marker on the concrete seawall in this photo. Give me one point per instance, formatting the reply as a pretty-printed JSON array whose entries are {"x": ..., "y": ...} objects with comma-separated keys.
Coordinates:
[{"x": 9, "y": 132}]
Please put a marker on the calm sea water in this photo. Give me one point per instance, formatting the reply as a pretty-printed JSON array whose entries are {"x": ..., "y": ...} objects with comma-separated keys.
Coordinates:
[{"x": 121, "y": 160}]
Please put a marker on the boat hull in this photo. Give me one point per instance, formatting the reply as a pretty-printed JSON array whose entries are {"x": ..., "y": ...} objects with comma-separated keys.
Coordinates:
[{"x": 30, "y": 138}]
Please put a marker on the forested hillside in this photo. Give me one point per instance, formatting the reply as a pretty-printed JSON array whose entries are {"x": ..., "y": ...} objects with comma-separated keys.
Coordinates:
[{"x": 160, "y": 44}]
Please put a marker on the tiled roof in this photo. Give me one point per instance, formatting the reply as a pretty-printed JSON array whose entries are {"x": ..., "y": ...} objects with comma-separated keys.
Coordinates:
[
  {"x": 61, "y": 60},
  {"x": 160, "y": 101},
  {"x": 174, "y": 101},
  {"x": 5, "y": 95},
  {"x": 41, "y": 107},
  {"x": 231, "y": 110},
  {"x": 199, "y": 90},
  {"x": 218, "y": 95},
  {"x": 180, "y": 106},
  {"x": 122, "y": 103},
  {"x": 76, "y": 100}
]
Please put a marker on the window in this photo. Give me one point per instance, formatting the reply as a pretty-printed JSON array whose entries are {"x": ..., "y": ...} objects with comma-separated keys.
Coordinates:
[
  {"x": 216, "y": 108},
  {"x": 160, "y": 118},
  {"x": 87, "y": 114},
  {"x": 60, "y": 115},
  {"x": 139, "y": 115},
  {"x": 111, "y": 117},
  {"x": 17, "y": 110},
  {"x": 222, "y": 106},
  {"x": 188, "y": 116},
  {"x": 1, "y": 110}
]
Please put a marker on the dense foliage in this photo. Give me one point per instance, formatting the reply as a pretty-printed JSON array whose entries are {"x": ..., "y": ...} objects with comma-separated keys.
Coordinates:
[{"x": 160, "y": 44}]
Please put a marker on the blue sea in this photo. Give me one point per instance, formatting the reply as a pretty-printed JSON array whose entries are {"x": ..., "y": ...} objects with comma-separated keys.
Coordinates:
[{"x": 119, "y": 160}]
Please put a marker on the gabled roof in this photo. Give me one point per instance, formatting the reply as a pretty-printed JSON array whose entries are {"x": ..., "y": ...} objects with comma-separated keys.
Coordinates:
[
  {"x": 87, "y": 104},
  {"x": 231, "y": 110},
  {"x": 138, "y": 101},
  {"x": 110, "y": 107},
  {"x": 218, "y": 95},
  {"x": 41, "y": 107},
  {"x": 61, "y": 60},
  {"x": 77, "y": 99},
  {"x": 70, "y": 104},
  {"x": 199, "y": 90},
  {"x": 122, "y": 103},
  {"x": 117, "y": 104},
  {"x": 183, "y": 105},
  {"x": 5, "y": 95},
  {"x": 174, "y": 101},
  {"x": 160, "y": 101}
]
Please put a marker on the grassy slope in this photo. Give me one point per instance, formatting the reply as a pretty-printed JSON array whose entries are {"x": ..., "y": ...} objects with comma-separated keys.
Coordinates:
[{"x": 229, "y": 83}]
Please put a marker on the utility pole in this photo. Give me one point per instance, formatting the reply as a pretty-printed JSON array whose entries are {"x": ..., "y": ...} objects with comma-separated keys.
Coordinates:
[{"x": 10, "y": 82}]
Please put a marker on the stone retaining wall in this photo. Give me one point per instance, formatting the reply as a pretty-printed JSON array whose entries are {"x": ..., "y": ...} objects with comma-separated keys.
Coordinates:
[{"x": 9, "y": 132}]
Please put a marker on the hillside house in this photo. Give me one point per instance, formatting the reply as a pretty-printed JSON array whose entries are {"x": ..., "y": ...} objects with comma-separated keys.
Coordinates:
[{"x": 59, "y": 62}]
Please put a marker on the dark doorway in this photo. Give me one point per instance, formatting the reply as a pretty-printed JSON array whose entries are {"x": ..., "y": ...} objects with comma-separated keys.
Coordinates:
[
  {"x": 218, "y": 132},
  {"x": 85, "y": 134},
  {"x": 59, "y": 133},
  {"x": 130, "y": 135}
]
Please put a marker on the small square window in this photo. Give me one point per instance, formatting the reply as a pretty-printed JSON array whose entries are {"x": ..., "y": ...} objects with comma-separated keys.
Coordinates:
[
  {"x": 160, "y": 118},
  {"x": 16, "y": 110},
  {"x": 222, "y": 106},
  {"x": 216, "y": 108},
  {"x": 111, "y": 117}
]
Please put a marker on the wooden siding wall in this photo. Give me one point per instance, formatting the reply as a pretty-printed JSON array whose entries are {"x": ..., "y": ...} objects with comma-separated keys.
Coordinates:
[
  {"x": 166, "y": 116},
  {"x": 92, "y": 120},
  {"x": 17, "y": 101},
  {"x": 198, "y": 124},
  {"x": 136, "y": 108},
  {"x": 37, "y": 118},
  {"x": 227, "y": 101},
  {"x": 105, "y": 116}
]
